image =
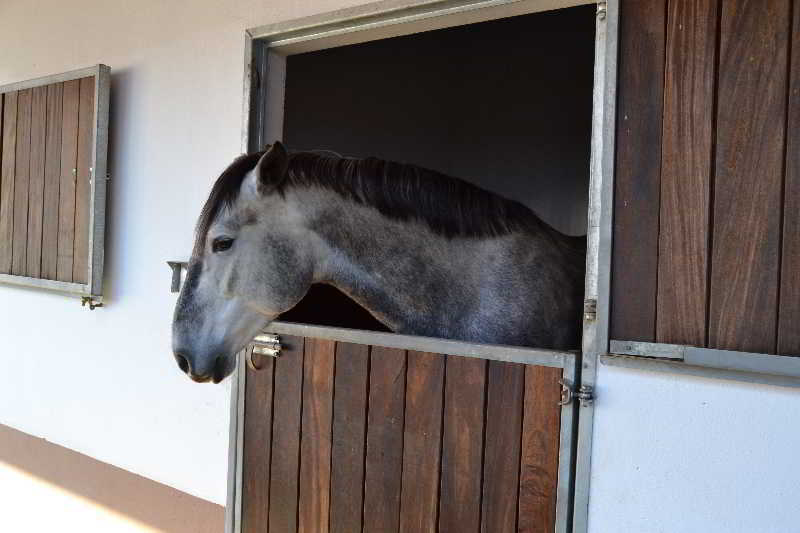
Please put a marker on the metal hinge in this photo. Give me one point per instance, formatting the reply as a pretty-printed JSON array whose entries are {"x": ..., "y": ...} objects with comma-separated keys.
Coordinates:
[
  {"x": 91, "y": 302},
  {"x": 585, "y": 394},
  {"x": 264, "y": 344},
  {"x": 602, "y": 9}
]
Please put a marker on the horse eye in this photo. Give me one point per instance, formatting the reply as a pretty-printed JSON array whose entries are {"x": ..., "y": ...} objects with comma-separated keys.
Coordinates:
[{"x": 221, "y": 244}]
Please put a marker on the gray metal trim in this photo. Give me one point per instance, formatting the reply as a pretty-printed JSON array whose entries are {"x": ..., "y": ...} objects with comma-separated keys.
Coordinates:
[
  {"x": 233, "y": 505},
  {"x": 81, "y": 289},
  {"x": 598, "y": 256},
  {"x": 47, "y": 80},
  {"x": 677, "y": 367},
  {"x": 566, "y": 453},
  {"x": 494, "y": 352},
  {"x": 758, "y": 363},
  {"x": 647, "y": 349},
  {"x": 98, "y": 180},
  {"x": 381, "y": 14}
]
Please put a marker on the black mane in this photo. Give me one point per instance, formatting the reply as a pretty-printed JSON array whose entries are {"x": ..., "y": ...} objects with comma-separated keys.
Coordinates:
[{"x": 449, "y": 206}]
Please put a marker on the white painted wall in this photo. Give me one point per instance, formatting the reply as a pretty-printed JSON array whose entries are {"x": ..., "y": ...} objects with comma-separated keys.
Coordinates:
[
  {"x": 680, "y": 454},
  {"x": 104, "y": 382}
]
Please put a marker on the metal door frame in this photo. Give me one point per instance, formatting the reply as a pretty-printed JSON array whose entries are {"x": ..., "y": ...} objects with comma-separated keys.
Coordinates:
[{"x": 264, "y": 76}]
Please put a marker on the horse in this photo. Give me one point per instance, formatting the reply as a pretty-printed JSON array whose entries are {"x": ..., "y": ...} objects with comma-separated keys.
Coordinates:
[{"x": 424, "y": 253}]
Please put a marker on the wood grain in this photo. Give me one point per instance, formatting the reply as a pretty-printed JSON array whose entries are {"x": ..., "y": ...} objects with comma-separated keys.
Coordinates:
[
  {"x": 80, "y": 259},
  {"x": 349, "y": 437},
  {"x": 505, "y": 394},
  {"x": 257, "y": 446},
  {"x": 69, "y": 161},
  {"x": 638, "y": 169},
  {"x": 686, "y": 172},
  {"x": 384, "y": 460},
  {"x": 7, "y": 173},
  {"x": 540, "y": 440},
  {"x": 52, "y": 175},
  {"x": 462, "y": 445},
  {"x": 789, "y": 312},
  {"x": 21, "y": 181},
  {"x": 315, "y": 444},
  {"x": 749, "y": 171},
  {"x": 36, "y": 181},
  {"x": 422, "y": 442},
  {"x": 287, "y": 409}
]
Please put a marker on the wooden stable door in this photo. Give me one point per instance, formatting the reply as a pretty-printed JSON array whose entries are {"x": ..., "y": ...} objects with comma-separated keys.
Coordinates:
[{"x": 346, "y": 438}]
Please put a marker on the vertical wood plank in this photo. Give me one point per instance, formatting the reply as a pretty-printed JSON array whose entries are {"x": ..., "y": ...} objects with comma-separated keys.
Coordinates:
[
  {"x": 422, "y": 437},
  {"x": 52, "y": 173},
  {"x": 686, "y": 172},
  {"x": 7, "y": 173},
  {"x": 789, "y": 313},
  {"x": 287, "y": 409},
  {"x": 505, "y": 394},
  {"x": 315, "y": 443},
  {"x": 36, "y": 181},
  {"x": 541, "y": 425},
  {"x": 383, "y": 469},
  {"x": 21, "y": 181},
  {"x": 257, "y": 446},
  {"x": 749, "y": 172},
  {"x": 349, "y": 437},
  {"x": 640, "y": 91},
  {"x": 80, "y": 260},
  {"x": 462, "y": 445},
  {"x": 66, "y": 198}
]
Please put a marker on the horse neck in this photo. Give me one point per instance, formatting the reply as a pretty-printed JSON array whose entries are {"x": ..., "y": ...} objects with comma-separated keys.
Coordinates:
[{"x": 400, "y": 271}]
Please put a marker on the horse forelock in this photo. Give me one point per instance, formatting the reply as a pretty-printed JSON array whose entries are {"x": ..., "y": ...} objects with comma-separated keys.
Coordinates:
[{"x": 448, "y": 206}]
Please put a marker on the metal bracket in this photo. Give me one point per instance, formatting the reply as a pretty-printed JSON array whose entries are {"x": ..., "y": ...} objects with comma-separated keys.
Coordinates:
[
  {"x": 91, "y": 302},
  {"x": 176, "y": 267},
  {"x": 264, "y": 344},
  {"x": 590, "y": 310},
  {"x": 585, "y": 394}
]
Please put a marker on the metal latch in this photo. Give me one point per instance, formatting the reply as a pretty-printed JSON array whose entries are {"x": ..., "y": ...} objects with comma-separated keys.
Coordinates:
[
  {"x": 585, "y": 394},
  {"x": 91, "y": 302},
  {"x": 264, "y": 344},
  {"x": 602, "y": 9}
]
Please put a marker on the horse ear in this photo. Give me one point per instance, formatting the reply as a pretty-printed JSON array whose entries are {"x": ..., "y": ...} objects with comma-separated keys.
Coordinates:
[{"x": 271, "y": 169}]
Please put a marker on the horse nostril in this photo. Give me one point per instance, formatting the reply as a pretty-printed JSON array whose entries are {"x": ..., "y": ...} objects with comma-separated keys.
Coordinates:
[{"x": 183, "y": 362}]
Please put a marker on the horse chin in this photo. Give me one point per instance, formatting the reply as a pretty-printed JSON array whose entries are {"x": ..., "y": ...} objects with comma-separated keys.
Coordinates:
[{"x": 223, "y": 368}]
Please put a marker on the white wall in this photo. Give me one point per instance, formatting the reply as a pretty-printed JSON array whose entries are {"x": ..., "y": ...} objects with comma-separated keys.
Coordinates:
[
  {"x": 682, "y": 454},
  {"x": 104, "y": 382}
]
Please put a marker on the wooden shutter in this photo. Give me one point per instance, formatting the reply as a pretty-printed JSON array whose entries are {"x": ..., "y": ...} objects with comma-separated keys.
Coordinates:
[
  {"x": 53, "y": 180},
  {"x": 706, "y": 247}
]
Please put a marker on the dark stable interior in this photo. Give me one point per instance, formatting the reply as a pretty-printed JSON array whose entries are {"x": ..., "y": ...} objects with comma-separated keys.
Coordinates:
[{"x": 504, "y": 104}]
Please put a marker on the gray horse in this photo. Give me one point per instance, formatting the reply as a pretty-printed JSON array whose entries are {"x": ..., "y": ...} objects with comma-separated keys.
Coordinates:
[{"x": 424, "y": 253}]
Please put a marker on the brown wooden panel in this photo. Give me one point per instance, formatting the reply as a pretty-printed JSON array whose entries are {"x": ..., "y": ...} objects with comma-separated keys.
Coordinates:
[
  {"x": 21, "y": 180},
  {"x": 638, "y": 169},
  {"x": 257, "y": 446},
  {"x": 7, "y": 172},
  {"x": 686, "y": 172},
  {"x": 285, "y": 464},
  {"x": 315, "y": 444},
  {"x": 52, "y": 173},
  {"x": 349, "y": 437},
  {"x": 749, "y": 171},
  {"x": 789, "y": 314},
  {"x": 462, "y": 445},
  {"x": 505, "y": 393},
  {"x": 36, "y": 181},
  {"x": 80, "y": 261},
  {"x": 66, "y": 198},
  {"x": 541, "y": 425},
  {"x": 422, "y": 442},
  {"x": 382, "y": 477}
]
